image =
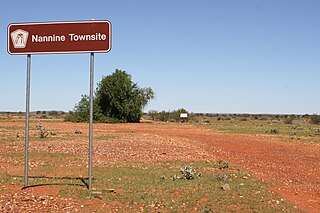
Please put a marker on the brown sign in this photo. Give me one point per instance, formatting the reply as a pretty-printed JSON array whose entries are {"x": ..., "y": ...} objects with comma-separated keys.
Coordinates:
[{"x": 59, "y": 37}]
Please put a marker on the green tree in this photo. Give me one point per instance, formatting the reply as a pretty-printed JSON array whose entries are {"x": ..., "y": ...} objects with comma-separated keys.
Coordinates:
[
  {"x": 120, "y": 98},
  {"x": 80, "y": 112},
  {"x": 117, "y": 99}
]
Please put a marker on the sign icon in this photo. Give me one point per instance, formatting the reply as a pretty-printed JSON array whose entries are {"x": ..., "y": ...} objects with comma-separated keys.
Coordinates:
[{"x": 19, "y": 38}]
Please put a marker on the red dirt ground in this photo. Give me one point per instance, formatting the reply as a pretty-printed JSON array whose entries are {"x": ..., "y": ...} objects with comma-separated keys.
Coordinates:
[{"x": 292, "y": 167}]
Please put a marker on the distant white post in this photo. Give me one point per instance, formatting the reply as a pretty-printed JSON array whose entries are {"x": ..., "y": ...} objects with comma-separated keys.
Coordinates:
[{"x": 183, "y": 117}]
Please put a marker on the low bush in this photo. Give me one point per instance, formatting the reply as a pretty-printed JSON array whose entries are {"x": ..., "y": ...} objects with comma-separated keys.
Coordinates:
[
  {"x": 315, "y": 119},
  {"x": 288, "y": 120}
]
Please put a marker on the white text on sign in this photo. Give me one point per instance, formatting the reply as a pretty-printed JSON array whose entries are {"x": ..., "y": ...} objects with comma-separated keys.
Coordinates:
[{"x": 72, "y": 37}]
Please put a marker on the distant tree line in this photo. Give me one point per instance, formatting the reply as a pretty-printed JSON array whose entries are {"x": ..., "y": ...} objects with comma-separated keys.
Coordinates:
[{"x": 171, "y": 116}]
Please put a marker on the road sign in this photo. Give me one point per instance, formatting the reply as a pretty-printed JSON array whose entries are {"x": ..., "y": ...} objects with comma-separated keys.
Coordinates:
[{"x": 59, "y": 37}]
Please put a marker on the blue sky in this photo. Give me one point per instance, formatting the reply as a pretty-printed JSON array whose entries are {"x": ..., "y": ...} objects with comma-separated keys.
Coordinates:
[{"x": 218, "y": 56}]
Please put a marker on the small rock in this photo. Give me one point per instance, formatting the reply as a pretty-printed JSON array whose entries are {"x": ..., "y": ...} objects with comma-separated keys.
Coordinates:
[
  {"x": 163, "y": 177},
  {"x": 175, "y": 177},
  {"x": 223, "y": 165},
  {"x": 110, "y": 190},
  {"x": 38, "y": 126},
  {"x": 274, "y": 131},
  {"x": 78, "y": 131},
  {"x": 226, "y": 187},
  {"x": 200, "y": 174},
  {"x": 96, "y": 192},
  {"x": 221, "y": 177}
]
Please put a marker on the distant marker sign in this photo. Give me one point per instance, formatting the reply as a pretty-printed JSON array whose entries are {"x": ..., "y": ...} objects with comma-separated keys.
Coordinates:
[{"x": 59, "y": 37}]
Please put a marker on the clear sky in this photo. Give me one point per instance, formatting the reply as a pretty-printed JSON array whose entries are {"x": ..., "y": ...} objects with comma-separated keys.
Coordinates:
[{"x": 218, "y": 56}]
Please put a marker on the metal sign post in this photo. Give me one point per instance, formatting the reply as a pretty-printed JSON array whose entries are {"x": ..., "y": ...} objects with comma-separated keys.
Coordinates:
[
  {"x": 91, "y": 119},
  {"x": 27, "y": 121}
]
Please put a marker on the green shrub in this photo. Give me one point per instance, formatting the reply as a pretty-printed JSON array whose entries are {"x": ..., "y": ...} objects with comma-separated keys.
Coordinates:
[
  {"x": 288, "y": 120},
  {"x": 120, "y": 98},
  {"x": 117, "y": 99},
  {"x": 315, "y": 119}
]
